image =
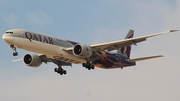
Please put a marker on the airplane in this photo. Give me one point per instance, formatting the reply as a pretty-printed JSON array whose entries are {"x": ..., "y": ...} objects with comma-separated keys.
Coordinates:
[{"x": 65, "y": 52}]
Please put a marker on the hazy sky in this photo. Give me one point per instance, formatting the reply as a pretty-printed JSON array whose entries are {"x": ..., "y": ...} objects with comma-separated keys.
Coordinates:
[{"x": 92, "y": 22}]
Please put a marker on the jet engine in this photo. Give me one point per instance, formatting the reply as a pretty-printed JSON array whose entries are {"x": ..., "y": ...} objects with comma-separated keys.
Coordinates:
[
  {"x": 82, "y": 50},
  {"x": 32, "y": 60}
]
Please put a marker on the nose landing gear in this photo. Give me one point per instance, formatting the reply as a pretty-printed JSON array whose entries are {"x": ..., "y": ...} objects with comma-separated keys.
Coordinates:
[{"x": 15, "y": 53}]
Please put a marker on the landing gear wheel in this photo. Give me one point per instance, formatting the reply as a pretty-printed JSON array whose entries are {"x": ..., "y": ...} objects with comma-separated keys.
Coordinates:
[
  {"x": 84, "y": 65},
  {"x": 64, "y": 72},
  {"x": 55, "y": 70},
  {"x": 60, "y": 71},
  {"x": 88, "y": 66},
  {"x": 92, "y": 66},
  {"x": 15, "y": 53}
]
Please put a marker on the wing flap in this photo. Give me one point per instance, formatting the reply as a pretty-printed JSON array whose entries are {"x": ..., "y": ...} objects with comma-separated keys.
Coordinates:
[{"x": 144, "y": 58}]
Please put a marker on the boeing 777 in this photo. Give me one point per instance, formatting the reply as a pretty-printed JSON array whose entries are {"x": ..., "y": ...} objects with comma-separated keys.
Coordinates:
[{"x": 64, "y": 52}]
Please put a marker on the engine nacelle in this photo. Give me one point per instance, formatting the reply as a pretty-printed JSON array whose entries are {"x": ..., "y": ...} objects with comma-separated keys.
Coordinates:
[
  {"x": 32, "y": 60},
  {"x": 82, "y": 50}
]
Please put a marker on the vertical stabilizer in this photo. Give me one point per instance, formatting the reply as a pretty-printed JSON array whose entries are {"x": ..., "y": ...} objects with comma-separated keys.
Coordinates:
[{"x": 127, "y": 49}]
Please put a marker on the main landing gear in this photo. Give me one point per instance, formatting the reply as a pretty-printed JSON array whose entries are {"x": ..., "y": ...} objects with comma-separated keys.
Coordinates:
[
  {"x": 88, "y": 65},
  {"x": 59, "y": 70},
  {"x": 15, "y": 53}
]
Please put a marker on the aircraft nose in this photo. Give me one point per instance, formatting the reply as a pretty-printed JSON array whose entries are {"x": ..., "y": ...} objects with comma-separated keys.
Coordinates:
[
  {"x": 4, "y": 37},
  {"x": 7, "y": 38}
]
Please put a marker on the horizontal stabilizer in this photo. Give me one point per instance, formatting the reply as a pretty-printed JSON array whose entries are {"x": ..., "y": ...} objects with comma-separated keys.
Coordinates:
[{"x": 144, "y": 58}]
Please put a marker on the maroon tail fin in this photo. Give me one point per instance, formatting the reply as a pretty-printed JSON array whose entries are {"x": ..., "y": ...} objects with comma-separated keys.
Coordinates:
[{"x": 126, "y": 51}]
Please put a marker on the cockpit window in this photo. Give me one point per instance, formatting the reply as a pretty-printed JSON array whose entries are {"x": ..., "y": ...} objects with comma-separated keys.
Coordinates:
[{"x": 9, "y": 32}]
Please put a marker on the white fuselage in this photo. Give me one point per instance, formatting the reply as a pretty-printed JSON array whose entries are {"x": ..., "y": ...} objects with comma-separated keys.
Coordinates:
[{"x": 43, "y": 44}]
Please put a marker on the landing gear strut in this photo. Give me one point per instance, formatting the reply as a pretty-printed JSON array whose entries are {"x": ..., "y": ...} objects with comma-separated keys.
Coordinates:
[
  {"x": 15, "y": 53},
  {"x": 59, "y": 70},
  {"x": 88, "y": 65}
]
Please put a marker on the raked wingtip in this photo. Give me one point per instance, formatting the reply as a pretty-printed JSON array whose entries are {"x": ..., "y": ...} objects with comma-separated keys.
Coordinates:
[{"x": 173, "y": 30}]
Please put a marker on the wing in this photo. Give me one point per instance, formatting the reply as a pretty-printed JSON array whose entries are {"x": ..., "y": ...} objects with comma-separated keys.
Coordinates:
[
  {"x": 46, "y": 59},
  {"x": 122, "y": 43}
]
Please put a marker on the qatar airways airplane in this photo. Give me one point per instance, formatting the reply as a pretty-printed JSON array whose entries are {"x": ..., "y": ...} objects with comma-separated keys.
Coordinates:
[{"x": 64, "y": 52}]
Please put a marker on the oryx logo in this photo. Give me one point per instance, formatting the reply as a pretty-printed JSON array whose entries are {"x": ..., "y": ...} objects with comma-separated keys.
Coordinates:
[{"x": 125, "y": 50}]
